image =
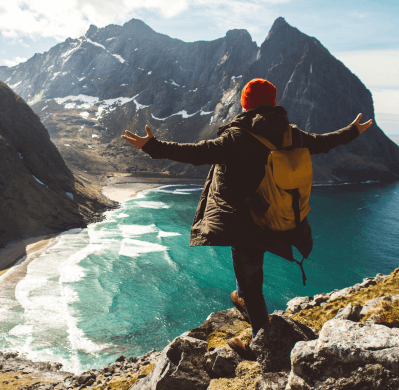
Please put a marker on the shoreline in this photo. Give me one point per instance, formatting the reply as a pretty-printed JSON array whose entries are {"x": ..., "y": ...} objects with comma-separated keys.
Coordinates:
[{"x": 117, "y": 187}]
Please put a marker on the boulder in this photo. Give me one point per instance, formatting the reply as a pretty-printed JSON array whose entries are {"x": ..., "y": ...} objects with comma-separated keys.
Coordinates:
[
  {"x": 214, "y": 322},
  {"x": 272, "y": 346},
  {"x": 298, "y": 303},
  {"x": 320, "y": 298},
  {"x": 372, "y": 304},
  {"x": 181, "y": 365},
  {"x": 379, "y": 277},
  {"x": 350, "y": 313},
  {"x": 345, "y": 291},
  {"x": 347, "y": 355},
  {"x": 222, "y": 362},
  {"x": 272, "y": 381}
]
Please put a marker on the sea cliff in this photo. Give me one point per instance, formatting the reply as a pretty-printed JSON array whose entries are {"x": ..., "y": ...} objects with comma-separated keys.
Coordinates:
[{"x": 345, "y": 339}]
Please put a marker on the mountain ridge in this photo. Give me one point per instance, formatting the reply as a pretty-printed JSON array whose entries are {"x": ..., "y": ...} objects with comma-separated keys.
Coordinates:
[
  {"x": 39, "y": 194},
  {"x": 88, "y": 90}
]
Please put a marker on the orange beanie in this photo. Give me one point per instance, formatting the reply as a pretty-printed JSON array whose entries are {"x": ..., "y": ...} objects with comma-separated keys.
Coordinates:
[{"x": 258, "y": 92}]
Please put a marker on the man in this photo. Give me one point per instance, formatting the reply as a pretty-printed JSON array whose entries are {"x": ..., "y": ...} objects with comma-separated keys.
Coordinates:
[{"x": 238, "y": 166}]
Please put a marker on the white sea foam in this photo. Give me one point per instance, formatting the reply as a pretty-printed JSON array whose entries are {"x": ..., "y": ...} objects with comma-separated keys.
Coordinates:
[
  {"x": 136, "y": 230},
  {"x": 70, "y": 270},
  {"x": 152, "y": 205},
  {"x": 161, "y": 233},
  {"x": 21, "y": 330},
  {"x": 48, "y": 318},
  {"x": 178, "y": 191},
  {"x": 170, "y": 261},
  {"x": 123, "y": 215},
  {"x": 133, "y": 248}
]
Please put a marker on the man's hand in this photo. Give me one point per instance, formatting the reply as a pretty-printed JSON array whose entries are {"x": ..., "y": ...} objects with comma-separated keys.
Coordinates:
[
  {"x": 362, "y": 126},
  {"x": 137, "y": 141}
]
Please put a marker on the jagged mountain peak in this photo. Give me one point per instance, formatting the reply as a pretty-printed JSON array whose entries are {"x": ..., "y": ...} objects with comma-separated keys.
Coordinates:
[
  {"x": 239, "y": 34},
  {"x": 279, "y": 23},
  {"x": 138, "y": 27},
  {"x": 130, "y": 75},
  {"x": 282, "y": 35},
  {"x": 91, "y": 31}
]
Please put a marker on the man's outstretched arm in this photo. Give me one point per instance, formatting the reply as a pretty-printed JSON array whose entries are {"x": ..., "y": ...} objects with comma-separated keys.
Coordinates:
[
  {"x": 323, "y": 143},
  {"x": 215, "y": 151}
]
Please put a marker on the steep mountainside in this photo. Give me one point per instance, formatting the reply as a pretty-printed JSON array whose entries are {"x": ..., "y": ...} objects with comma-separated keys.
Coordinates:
[
  {"x": 38, "y": 192},
  {"x": 88, "y": 90}
]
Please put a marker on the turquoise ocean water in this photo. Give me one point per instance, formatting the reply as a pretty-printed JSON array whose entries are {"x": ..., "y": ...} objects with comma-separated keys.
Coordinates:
[{"x": 132, "y": 283}]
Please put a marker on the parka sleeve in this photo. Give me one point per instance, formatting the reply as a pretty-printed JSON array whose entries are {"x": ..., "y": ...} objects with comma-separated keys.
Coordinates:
[
  {"x": 215, "y": 151},
  {"x": 323, "y": 143}
]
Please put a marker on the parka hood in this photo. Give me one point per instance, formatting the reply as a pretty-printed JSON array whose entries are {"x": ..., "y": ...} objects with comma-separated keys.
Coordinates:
[{"x": 267, "y": 121}]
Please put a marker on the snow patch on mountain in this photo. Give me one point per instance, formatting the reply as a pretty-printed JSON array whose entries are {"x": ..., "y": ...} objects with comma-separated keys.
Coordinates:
[
  {"x": 84, "y": 114},
  {"x": 236, "y": 77},
  {"x": 39, "y": 181},
  {"x": 84, "y": 102},
  {"x": 138, "y": 105},
  {"x": 119, "y": 58},
  {"x": 183, "y": 113},
  {"x": 96, "y": 44},
  {"x": 15, "y": 85}
]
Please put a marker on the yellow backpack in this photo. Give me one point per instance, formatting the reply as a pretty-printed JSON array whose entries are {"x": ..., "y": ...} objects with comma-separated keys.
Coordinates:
[{"x": 281, "y": 200}]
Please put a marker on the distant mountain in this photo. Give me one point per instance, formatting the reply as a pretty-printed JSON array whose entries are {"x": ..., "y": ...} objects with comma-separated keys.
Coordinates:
[
  {"x": 88, "y": 90},
  {"x": 38, "y": 192}
]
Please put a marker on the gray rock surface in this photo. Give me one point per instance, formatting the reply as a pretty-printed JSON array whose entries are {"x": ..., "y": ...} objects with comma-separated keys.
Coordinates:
[
  {"x": 372, "y": 303},
  {"x": 181, "y": 365},
  {"x": 214, "y": 322},
  {"x": 34, "y": 174},
  {"x": 350, "y": 313},
  {"x": 343, "y": 292},
  {"x": 272, "y": 346},
  {"x": 298, "y": 303},
  {"x": 222, "y": 362},
  {"x": 272, "y": 381},
  {"x": 347, "y": 355},
  {"x": 304, "y": 303},
  {"x": 323, "y": 297}
]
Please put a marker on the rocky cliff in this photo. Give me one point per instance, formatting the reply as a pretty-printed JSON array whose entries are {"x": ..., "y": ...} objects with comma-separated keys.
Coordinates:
[
  {"x": 38, "y": 193},
  {"x": 88, "y": 90},
  {"x": 346, "y": 339}
]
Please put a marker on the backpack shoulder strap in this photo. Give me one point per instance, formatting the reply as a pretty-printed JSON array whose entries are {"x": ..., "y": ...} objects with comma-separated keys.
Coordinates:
[
  {"x": 264, "y": 141},
  {"x": 287, "y": 140}
]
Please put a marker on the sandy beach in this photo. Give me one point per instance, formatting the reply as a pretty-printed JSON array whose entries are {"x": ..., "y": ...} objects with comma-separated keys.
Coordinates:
[
  {"x": 122, "y": 186},
  {"x": 116, "y": 187}
]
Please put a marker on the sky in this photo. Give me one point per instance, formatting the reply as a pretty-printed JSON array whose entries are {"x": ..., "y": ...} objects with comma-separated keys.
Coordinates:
[{"x": 363, "y": 34}]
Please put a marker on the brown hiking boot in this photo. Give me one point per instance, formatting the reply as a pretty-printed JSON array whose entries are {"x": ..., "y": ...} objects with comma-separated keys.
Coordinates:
[
  {"x": 239, "y": 304},
  {"x": 241, "y": 348}
]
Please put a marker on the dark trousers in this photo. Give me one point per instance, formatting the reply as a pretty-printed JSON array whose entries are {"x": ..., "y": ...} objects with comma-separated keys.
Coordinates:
[{"x": 248, "y": 268}]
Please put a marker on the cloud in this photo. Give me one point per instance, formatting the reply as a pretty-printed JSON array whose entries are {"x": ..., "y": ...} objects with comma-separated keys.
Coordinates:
[
  {"x": 386, "y": 100},
  {"x": 376, "y": 68},
  {"x": 61, "y": 19},
  {"x": 13, "y": 62}
]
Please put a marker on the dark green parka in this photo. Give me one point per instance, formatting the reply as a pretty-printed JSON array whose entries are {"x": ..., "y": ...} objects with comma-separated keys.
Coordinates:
[{"x": 238, "y": 165}]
